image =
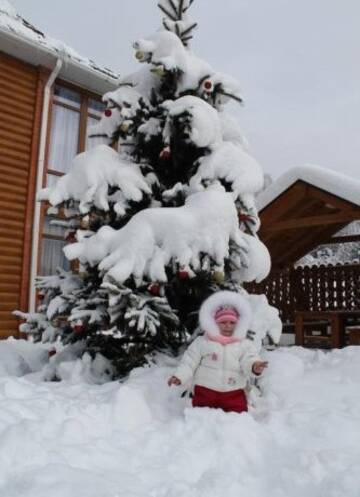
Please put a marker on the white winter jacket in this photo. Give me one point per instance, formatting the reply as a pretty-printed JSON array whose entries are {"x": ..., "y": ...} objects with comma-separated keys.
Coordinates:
[
  {"x": 213, "y": 365},
  {"x": 216, "y": 366}
]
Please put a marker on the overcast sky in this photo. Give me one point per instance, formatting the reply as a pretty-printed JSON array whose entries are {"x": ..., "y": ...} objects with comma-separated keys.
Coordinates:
[{"x": 297, "y": 61}]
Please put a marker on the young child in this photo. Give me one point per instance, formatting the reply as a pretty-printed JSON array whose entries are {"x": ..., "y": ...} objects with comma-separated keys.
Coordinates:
[{"x": 222, "y": 360}]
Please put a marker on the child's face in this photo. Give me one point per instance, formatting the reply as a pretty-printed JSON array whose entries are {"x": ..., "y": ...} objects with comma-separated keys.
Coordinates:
[{"x": 227, "y": 328}]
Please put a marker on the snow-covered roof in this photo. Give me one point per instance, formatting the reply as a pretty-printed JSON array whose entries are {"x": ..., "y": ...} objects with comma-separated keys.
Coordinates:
[
  {"x": 338, "y": 184},
  {"x": 24, "y": 41}
]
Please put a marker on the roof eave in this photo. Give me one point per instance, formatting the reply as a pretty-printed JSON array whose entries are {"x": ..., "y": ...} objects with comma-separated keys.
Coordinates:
[
  {"x": 330, "y": 181},
  {"x": 73, "y": 71}
]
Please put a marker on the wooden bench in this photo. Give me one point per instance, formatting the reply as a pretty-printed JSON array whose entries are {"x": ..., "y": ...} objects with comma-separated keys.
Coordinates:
[
  {"x": 354, "y": 336},
  {"x": 337, "y": 321}
]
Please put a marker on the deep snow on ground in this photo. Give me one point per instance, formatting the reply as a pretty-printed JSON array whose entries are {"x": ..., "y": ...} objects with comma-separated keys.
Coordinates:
[{"x": 141, "y": 439}]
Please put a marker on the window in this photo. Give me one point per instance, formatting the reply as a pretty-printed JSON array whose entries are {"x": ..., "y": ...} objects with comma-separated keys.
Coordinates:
[
  {"x": 73, "y": 111},
  {"x": 95, "y": 110},
  {"x": 72, "y": 114},
  {"x": 64, "y": 138},
  {"x": 53, "y": 243}
]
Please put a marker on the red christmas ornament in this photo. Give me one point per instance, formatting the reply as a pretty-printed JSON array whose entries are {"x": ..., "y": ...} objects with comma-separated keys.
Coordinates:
[
  {"x": 183, "y": 274},
  {"x": 243, "y": 217},
  {"x": 51, "y": 352},
  {"x": 108, "y": 112},
  {"x": 154, "y": 289},
  {"x": 71, "y": 238},
  {"x": 41, "y": 296},
  {"x": 165, "y": 154},
  {"x": 207, "y": 85},
  {"x": 78, "y": 328}
]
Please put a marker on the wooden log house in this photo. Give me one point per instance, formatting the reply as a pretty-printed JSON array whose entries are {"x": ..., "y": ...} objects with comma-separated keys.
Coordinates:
[{"x": 48, "y": 97}]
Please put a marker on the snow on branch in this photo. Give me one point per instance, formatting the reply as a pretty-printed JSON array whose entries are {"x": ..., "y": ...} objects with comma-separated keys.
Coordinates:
[
  {"x": 123, "y": 105},
  {"x": 232, "y": 164},
  {"x": 205, "y": 129},
  {"x": 91, "y": 175},
  {"x": 265, "y": 320},
  {"x": 155, "y": 237},
  {"x": 226, "y": 161},
  {"x": 165, "y": 52},
  {"x": 65, "y": 282}
]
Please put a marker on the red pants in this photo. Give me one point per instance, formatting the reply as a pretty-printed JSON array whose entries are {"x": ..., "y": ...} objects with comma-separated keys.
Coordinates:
[{"x": 233, "y": 401}]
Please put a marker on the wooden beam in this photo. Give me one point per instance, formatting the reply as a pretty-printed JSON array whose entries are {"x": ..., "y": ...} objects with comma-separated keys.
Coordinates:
[
  {"x": 280, "y": 205},
  {"x": 303, "y": 245},
  {"x": 305, "y": 208},
  {"x": 342, "y": 239},
  {"x": 329, "y": 198},
  {"x": 302, "y": 222}
]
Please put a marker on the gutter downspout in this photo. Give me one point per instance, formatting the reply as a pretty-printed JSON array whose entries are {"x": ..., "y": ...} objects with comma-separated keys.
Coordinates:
[{"x": 39, "y": 180}]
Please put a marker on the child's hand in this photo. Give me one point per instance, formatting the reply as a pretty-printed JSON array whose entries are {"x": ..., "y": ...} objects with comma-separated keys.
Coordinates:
[
  {"x": 173, "y": 380},
  {"x": 259, "y": 366}
]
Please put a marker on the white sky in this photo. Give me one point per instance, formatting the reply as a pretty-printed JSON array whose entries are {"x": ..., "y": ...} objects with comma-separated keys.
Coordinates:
[{"x": 297, "y": 61}]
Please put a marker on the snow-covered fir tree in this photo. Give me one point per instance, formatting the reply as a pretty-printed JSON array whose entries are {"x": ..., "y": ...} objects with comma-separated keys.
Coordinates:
[{"x": 162, "y": 213}]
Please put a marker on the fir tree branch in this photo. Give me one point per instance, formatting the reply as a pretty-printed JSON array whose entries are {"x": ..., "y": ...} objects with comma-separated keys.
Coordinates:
[
  {"x": 187, "y": 30},
  {"x": 128, "y": 144},
  {"x": 207, "y": 76},
  {"x": 190, "y": 3},
  {"x": 187, "y": 38},
  {"x": 171, "y": 2},
  {"x": 98, "y": 136},
  {"x": 126, "y": 84},
  {"x": 115, "y": 104},
  {"x": 167, "y": 13},
  {"x": 181, "y": 9},
  {"x": 234, "y": 97},
  {"x": 164, "y": 22}
]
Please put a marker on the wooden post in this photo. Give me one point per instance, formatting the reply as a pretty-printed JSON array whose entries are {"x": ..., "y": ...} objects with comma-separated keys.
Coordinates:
[
  {"x": 335, "y": 331},
  {"x": 299, "y": 329}
]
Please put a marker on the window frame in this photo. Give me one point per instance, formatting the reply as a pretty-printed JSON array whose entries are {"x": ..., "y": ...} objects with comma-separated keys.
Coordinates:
[{"x": 84, "y": 111}]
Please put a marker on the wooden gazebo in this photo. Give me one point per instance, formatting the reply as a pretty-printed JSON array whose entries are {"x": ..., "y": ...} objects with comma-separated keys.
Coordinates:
[{"x": 303, "y": 209}]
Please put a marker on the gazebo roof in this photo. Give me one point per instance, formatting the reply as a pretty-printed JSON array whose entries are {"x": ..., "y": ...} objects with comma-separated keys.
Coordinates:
[{"x": 303, "y": 209}]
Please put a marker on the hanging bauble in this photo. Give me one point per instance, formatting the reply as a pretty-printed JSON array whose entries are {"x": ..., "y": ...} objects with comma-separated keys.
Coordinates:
[
  {"x": 154, "y": 289},
  {"x": 243, "y": 217},
  {"x": 125, "y": 126},
  {"x": 165, "y": 154},
  {"x": 41, "y": 296},
  {"x": 218, "y": 276},
  {"x": 108, "y": 112},
  {"x": 183, "y": 274},
  {"x": 159, "y": 70},
  {"x": 85, "y": 222},
  {"x": 140, "y": 55},
  {"x": 78, "y": 328},
  {"x": 71, "y": 237},
  {"x": 51, "y": 352},
  {"x": 207, "y": 85}
]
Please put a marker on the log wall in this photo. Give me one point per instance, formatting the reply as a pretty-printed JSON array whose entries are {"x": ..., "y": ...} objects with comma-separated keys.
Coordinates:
[{"x": 20, "y": 115}]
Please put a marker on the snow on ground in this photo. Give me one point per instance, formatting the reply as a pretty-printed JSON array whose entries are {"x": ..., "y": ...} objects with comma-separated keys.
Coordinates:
[{"x": 141, "y": 439}]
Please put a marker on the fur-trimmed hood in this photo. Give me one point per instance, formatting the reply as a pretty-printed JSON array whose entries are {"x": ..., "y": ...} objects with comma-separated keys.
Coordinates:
[{"x": 225, "y": 298}]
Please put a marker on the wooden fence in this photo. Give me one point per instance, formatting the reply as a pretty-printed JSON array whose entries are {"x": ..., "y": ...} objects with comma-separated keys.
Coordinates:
[{"x": 315, "y": 288}]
